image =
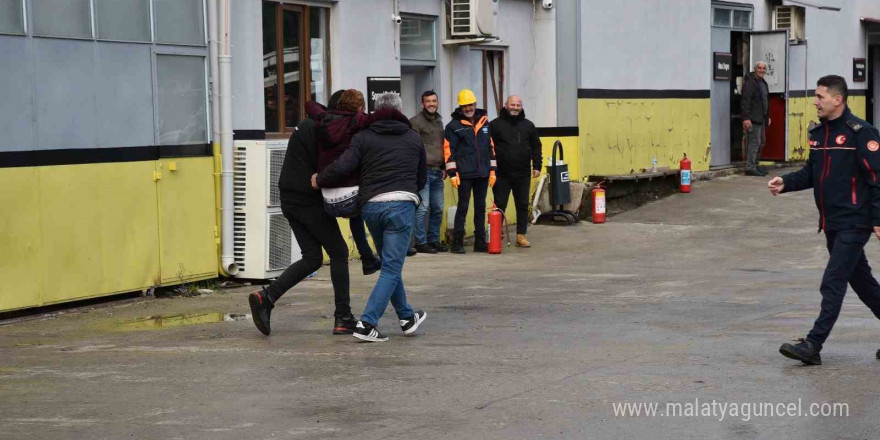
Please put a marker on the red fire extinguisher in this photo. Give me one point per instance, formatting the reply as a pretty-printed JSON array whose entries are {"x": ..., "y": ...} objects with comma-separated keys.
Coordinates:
[
  {"x": 685, "y": 166},
  {"x": 496, "y": 220},
  {"x": 598, "y": 195}
]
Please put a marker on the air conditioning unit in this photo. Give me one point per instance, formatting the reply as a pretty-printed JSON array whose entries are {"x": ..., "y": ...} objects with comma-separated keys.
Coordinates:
[
  {"x": 790, "y": 18},
  {"x": 263, "y": 243},
  {"x": 472, "y": 18}
]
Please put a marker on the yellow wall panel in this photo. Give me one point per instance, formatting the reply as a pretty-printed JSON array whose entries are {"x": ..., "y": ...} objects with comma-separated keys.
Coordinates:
[
  {"x": 186, "y": 219},
  {"x": 801, "y": 113},
  {"x": 20, "y": 246},
  {"x": 72, "y": 234},
  {"x": 129, "y": 225},
  {"x": 622, "y": 136}
]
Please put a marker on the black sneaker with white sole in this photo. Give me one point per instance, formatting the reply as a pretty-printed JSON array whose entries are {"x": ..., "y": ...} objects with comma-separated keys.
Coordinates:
[
  {"x": 367, "y": 333},
  {"x": 410, "y": 325}
]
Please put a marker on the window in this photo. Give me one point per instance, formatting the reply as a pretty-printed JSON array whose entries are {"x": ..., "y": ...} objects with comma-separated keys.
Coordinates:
[
  {"x": 66, "y": 19},
  {"x": 182, "y": 107},
  {"x": 180, "y": 22},
  {"x": 731, "y": 16},
  {"x": 10, "y": 17},
  {"x": 297, "y": 33},
  {"x": 417, "y": 39},
  {"x": 123, "y": 20}
]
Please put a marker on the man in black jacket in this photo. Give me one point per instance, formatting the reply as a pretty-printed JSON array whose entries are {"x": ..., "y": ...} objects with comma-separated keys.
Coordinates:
[
  {"x": 755, "y": 116},
  {"x": 391, "y": 160},
  {"x": 518, "y": 151},
  {"x": 843, "y": 169},
  {"x": 313, "y": 228}
]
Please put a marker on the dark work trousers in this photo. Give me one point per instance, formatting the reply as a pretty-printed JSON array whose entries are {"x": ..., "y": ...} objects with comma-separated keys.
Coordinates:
[
  {"x": 520, "y": 187},
  {"x": 847, "y": 264},
  {"x": 314, "y": 229},
  {"x": 479, "y": 186}
]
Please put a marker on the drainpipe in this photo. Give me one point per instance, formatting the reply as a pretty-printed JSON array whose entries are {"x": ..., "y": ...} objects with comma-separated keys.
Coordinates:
[
  {"x": 227, "y": 257},
  {"x": 215, "y": 125}
]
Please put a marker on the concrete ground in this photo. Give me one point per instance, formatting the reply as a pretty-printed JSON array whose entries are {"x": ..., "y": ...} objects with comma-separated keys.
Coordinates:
[{"x": 686, "y": 298}]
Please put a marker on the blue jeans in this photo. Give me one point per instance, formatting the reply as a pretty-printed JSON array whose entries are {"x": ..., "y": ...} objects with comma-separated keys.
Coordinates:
[
  {"x": 432, "y": 201},
  {"x": 391, "y": 225}
]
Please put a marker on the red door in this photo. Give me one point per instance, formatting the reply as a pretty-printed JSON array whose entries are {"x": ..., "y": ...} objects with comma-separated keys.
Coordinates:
[{"x": 774, "y": 149}]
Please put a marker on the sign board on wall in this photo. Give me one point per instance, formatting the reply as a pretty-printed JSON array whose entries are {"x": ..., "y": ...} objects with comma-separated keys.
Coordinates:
[
  {"x": 722, "y": 66},
  {"x": 379, "y": 85},
  {"x": 860, "y": 68}
]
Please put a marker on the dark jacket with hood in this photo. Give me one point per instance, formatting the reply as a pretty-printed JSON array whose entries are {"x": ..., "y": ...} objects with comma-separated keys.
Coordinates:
[
  {"x": 431, "y": 128},
  {"x": 843, "y": 169},
  {"x": 300, "y": 162},
  {"x": 753, "y": 104},
  {"x": 389, "y": 156},
  {"x": 334, "y": 132},
  {"x": 517, "y": 144},
  {"x": 468, "y": 148}
]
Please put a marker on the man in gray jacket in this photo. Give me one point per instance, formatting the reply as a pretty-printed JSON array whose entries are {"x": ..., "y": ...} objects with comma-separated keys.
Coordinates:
[
  {"x": 429, "y": 124},
  {"x": 755, "y": 116}
]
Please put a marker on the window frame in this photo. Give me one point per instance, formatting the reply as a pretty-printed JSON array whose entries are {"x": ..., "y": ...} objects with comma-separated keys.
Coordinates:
[
  {"x": 730, "y": 8},
  {"x": 152, "y": 26},
  {"x": 24, "y": 26},
  {"x": 92, "y": 31},
  {"x": 434, "y": 54},
  {"x": 305, "y": 61},
  {"x": 180, "y": 51}
]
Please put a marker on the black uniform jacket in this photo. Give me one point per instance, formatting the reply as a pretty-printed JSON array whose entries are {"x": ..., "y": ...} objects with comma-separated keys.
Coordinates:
[
  {"x": 517, "y": 145},
  {"x": 843, "y": 169}
]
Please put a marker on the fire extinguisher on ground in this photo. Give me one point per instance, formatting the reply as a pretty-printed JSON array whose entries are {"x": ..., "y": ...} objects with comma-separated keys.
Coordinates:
[
  {"x": 685, "y": 166},
  {"x": 496, "y": 220},
  {"x": 598, "y": 197}
]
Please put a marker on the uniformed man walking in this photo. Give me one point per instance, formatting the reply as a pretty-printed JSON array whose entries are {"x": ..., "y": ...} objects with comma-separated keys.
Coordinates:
[{"x": 843, "y": 170}]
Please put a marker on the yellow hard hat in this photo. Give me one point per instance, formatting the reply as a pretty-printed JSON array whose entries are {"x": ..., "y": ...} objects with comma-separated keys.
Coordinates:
[{"x": 466, "y": 97}]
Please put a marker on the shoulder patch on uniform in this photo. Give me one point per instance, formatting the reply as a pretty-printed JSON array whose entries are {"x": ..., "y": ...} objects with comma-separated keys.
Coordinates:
[{"x": 855, "y": 125}]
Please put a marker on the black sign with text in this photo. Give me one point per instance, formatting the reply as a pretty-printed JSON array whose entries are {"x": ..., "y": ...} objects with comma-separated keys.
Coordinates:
[
  {"x": 379, "y": 85},
  {"x": 721, "y": 67},
  {"x": 860, "y": 68}
]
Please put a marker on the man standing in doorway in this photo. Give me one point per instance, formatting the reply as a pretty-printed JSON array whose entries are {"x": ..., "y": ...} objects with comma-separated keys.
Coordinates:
[
  {"x": 843, "y": 170},
  {"x": 429, "y": 124},
  {"x": 518, "y": 149},
  {"x": 755, "y": 106},
  {"x": 470, "y": 164},
  {"x": 391, "y": 160}
]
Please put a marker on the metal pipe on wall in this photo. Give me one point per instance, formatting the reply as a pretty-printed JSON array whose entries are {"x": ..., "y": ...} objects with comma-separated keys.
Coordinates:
[
  {"x": 215, "y": 127},
  {"x": 227, "y": 257}
]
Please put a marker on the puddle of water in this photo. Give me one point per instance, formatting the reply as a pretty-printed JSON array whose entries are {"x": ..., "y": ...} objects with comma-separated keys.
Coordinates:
[{"x": 170, "y": 321}]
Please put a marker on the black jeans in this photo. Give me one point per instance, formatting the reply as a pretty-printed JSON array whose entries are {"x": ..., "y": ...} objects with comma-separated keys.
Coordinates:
[
  {"x": 314, "y": 229},
  {"x": 479, "y": 186},
  {"x": 520, "y": 187},
  {"x": 847, "y": 264}
]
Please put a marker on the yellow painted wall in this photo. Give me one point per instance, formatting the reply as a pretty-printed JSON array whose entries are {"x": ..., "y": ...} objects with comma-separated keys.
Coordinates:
[
  {"x": 622, "y": 136},
  {"x": 81, "y": 231},
  {"x": 801, "y": 112}
]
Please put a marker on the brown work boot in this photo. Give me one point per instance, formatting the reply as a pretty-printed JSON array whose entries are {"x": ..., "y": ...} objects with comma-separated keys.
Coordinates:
[{"x": 521, "y": 241}]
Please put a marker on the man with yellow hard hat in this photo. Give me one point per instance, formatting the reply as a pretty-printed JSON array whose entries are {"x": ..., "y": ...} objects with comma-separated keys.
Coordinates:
[{"x": 470, "y": 165}]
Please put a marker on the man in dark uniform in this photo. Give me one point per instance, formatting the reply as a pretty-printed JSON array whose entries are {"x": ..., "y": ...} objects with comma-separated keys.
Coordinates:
[{"x": 843, "y": 170}]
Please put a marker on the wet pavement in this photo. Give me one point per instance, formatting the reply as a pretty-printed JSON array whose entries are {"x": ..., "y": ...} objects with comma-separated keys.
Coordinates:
[{"x": 683, "y": 301}]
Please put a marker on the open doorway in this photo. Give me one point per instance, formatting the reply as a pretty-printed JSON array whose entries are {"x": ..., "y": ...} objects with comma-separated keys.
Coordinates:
[{"x": 772, "y": 48}]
